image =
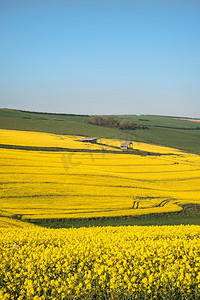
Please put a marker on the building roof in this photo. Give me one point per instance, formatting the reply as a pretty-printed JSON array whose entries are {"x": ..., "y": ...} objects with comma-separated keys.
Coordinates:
[
  {"x": 125, "y": 144},
  {"x": 89, "y": 139}
]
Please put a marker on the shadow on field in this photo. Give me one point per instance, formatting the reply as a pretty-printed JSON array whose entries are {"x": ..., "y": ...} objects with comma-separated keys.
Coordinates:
[{"x": 190, "y": 215}]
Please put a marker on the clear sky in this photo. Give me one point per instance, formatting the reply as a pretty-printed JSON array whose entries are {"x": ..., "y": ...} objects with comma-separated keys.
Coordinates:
[{"x": 101, "y": 57}]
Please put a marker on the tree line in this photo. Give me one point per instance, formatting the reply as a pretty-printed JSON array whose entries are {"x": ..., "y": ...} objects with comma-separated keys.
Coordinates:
[{"x": 109, "y": 121}]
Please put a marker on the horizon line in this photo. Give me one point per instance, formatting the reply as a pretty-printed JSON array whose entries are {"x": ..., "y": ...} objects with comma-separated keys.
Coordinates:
[{"x": 88, "y": 115}]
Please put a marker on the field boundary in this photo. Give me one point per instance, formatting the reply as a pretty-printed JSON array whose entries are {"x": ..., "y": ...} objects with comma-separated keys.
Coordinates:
[
  {"x": 189, "y": 214},
  {"x": 59, "y": 149}
]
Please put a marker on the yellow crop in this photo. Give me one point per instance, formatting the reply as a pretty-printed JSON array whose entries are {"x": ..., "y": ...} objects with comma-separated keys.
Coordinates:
[
  {"x": 95, "y": 263},
  {"x": 41, "y": 139},
  {"x": 38, "y": 185},
  {"x": 9, "y": 222},
  {"x": 100, "y": 263}
]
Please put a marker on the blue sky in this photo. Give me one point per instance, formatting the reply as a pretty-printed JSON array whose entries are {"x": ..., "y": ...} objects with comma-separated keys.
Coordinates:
[{"x": 101, "y": 57}]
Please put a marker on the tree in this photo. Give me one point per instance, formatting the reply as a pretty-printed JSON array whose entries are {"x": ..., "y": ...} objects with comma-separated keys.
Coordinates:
[
  {"x": 97, "y": 120},
  {"x": 127, "y": 124},
  {"x": 110, "y": 122}
]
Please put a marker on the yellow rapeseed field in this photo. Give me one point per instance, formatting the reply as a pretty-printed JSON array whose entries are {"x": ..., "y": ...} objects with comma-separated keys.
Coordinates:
[
  {"x": 103, "y": 262},
  {"x": 39, "y": 185},
  {"x": 100, "y": 263},
  {"x": 10, "y": 222},
  {"x": 42, "y": 139}
]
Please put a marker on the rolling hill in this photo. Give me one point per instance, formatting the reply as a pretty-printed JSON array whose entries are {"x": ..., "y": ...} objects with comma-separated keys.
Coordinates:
[{"x": 164, "y": 131}]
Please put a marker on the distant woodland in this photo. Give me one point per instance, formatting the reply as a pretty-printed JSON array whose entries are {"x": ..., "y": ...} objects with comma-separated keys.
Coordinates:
[{"x": 111, "y": 122}]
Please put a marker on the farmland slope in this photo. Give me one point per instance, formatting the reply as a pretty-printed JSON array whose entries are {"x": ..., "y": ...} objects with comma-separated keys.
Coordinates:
[
  {"x": 55, "y": 185},
  {"x": 166, "y": 131}
]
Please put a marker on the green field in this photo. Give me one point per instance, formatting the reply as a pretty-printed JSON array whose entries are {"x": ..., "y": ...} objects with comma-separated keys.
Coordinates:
[
  {"x": 190, "y": 215},
  {"x": 165, "y": 131}
]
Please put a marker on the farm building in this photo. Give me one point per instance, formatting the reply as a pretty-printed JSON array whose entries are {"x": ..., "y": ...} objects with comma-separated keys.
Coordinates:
[
  {"x": 92, "y": 140},
  {"x": 126, "y": 146}
]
